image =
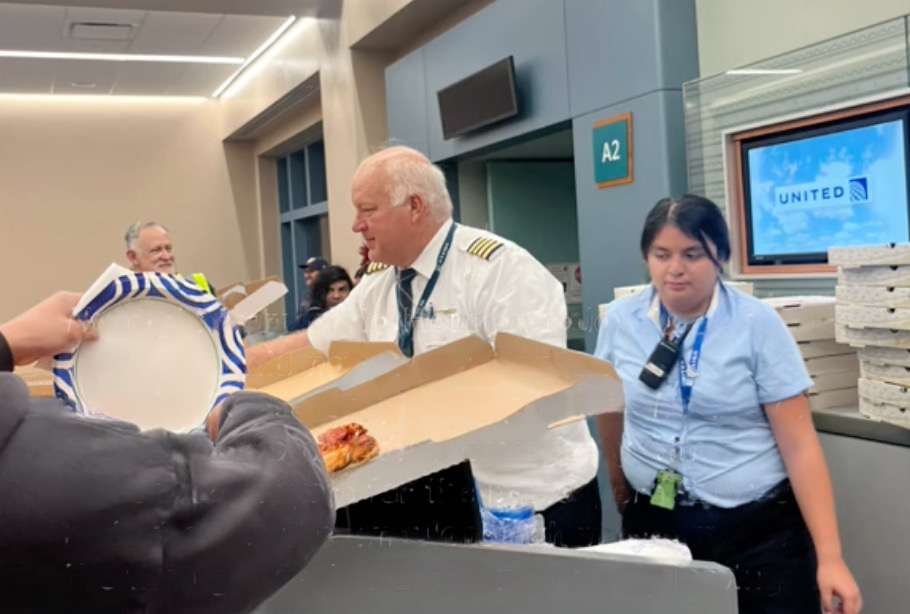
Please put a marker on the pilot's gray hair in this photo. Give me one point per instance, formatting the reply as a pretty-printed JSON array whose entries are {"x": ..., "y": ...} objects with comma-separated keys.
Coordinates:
[
  {"x": 132, "y": 233},
  {"x": 407, "y": 171}
]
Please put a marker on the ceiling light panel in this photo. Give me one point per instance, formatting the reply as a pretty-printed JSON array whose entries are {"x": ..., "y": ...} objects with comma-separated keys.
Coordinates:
[
  {"x": 64, "y": 99},
  {"x": 118, "y": 57}
]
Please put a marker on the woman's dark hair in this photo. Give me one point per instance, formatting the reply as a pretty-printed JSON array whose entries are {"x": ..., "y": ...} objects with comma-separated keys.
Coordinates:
[
  {"x": 320, "y": 288},
  {"x": 696, "y": 217}
]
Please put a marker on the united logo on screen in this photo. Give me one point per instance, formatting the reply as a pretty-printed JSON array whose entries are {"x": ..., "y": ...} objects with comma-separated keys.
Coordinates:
[
  {"x": 859, "y": 190},
  {"x": 822, "y": 194}
]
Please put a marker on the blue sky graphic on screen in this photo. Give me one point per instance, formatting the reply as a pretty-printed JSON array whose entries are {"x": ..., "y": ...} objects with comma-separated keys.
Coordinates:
[{"x": 841, "y": 188}]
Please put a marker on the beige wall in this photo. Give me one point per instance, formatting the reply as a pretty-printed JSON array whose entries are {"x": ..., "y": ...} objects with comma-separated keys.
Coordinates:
[
  {"x": 298, "y": 127},
  {"x": 361, "y": 17},
  {"x": 732, "y": 33},
  {"x": 74, "y": 175}
]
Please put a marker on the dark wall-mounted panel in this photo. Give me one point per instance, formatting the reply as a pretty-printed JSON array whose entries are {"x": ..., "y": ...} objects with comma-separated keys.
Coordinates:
[{"x": 533, "y": 33}]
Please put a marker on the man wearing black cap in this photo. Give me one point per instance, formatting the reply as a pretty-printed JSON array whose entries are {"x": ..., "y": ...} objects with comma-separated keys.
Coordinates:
[{"x": 311, "y": 269}]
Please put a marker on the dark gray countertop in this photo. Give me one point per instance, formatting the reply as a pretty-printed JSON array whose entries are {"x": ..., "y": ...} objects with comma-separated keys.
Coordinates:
[{"x": 847, "y": 421}]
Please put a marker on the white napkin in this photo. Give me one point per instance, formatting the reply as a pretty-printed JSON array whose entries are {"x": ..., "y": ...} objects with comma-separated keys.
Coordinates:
[{"x": 660, "y": 550}]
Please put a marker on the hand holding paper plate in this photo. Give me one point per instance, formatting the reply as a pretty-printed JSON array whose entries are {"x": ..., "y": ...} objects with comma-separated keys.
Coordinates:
[{"x": 167, "y": 352}]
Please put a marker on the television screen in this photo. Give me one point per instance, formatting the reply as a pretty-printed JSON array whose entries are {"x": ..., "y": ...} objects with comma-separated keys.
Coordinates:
[
  {"x": 843, "y": 183},
  {"x": 479, "y": 100}
]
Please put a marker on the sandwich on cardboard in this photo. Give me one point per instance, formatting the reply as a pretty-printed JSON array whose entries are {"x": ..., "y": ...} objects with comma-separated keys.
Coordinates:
[{"x": 432, "y": 411}]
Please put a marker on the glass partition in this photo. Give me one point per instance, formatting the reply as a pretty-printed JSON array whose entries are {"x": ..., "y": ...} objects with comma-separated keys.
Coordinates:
[{"x": 849, "y": 70}]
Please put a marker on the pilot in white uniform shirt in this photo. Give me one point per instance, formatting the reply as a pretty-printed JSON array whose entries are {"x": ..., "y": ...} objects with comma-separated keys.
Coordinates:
[{"x": 486, "y": 285}]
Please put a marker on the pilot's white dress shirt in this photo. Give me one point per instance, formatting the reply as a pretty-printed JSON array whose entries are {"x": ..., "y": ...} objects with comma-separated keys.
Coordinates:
[{"x": 487, "y": 285}]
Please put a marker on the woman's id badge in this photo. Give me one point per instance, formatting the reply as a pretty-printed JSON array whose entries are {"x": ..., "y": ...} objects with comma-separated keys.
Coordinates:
[{"x": 666, "y": 486}]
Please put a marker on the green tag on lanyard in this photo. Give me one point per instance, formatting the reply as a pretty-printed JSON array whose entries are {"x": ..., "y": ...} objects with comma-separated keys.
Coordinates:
[{"x": 665, "y": 489}]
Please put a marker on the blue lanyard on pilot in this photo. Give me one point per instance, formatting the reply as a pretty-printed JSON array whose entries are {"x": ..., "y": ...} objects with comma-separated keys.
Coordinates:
[
  {"x": 406, "y": 328},
  {"x": 688, "y": 370}
]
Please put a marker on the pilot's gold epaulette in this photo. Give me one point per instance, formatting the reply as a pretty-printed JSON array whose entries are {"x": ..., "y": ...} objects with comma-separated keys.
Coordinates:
[
  {"x": 375, "y": 267},
  {"x": 484, "y": 247}
]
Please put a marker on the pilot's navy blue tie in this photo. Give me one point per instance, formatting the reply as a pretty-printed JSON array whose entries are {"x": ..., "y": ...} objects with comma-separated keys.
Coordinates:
[{"x": 405, "y": 305}]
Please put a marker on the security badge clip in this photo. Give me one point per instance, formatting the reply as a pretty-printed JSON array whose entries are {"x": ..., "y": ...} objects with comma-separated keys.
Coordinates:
[
  {"x": 428, "y": 313},
  {"x": 666, "y": 487}
]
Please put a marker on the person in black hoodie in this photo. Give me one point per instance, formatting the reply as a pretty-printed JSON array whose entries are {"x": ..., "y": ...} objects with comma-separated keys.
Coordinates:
[{"x": 98, "y": 516}]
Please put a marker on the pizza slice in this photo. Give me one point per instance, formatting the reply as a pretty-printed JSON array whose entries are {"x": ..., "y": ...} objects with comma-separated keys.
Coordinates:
[{"x": 346, "y": 445}]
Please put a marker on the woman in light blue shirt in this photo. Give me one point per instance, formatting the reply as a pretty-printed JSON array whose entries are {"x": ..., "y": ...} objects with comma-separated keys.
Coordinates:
[{"x": 718, "y": 443}]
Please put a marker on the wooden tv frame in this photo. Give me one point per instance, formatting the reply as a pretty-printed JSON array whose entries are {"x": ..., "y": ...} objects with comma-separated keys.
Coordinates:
[{"x": 735, "y": 179}]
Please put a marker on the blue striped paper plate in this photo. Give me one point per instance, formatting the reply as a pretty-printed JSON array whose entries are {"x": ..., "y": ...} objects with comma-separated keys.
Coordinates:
[{"x": 167, "y": 353}]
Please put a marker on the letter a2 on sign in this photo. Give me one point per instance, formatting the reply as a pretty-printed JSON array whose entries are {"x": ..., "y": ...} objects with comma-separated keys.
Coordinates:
[{"x": 612, "y": 141}]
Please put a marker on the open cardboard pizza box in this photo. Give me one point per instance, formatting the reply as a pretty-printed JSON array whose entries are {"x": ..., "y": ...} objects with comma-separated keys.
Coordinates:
[
  {"x": 433, "y": 411},
  {"x": 293, "y": 376},
  {"x": 231, "y": 295}
]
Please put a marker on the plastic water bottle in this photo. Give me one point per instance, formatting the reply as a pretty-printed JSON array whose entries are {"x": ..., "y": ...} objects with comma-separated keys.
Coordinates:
[{"x": 512, "y": 525}]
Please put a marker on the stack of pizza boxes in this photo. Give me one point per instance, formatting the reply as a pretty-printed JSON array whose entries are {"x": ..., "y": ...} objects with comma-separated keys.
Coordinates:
[
  {"x": 873, "y": 314},
  {"x": 833, "y": 366}
]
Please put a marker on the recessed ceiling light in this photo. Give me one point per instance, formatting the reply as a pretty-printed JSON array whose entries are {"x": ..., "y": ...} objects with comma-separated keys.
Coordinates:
[
  {"x": 119, "y": 57},
  {"x": 83, "y": 85},
  {"x": 93, "y": 98},
  {"x": 765, "y": 71},
  {"x": 255, "y": 55}
]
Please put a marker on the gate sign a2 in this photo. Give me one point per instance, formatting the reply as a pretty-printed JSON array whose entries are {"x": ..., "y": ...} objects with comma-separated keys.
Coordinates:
[{"x": 612, "y": 140}]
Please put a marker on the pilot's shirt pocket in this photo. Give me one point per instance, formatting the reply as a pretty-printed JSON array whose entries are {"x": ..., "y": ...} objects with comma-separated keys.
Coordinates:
[{"x": 440, "y": 324}]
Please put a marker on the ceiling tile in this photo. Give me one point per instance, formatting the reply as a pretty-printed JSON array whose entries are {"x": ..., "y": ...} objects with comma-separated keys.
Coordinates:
[
  {"x": 175, "y": 33},
  {"x": 200, "y": 31},
  {"x": 200, "y": 80},
  {"x": 105, "y": 15},
  {"x": 30, "y": 27},
  {"x": 238, "y": 35},
  {"x": 26, "y": 76},
  {"x": 147, "y": 79},
  {"x": 103, "y": 74}
]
